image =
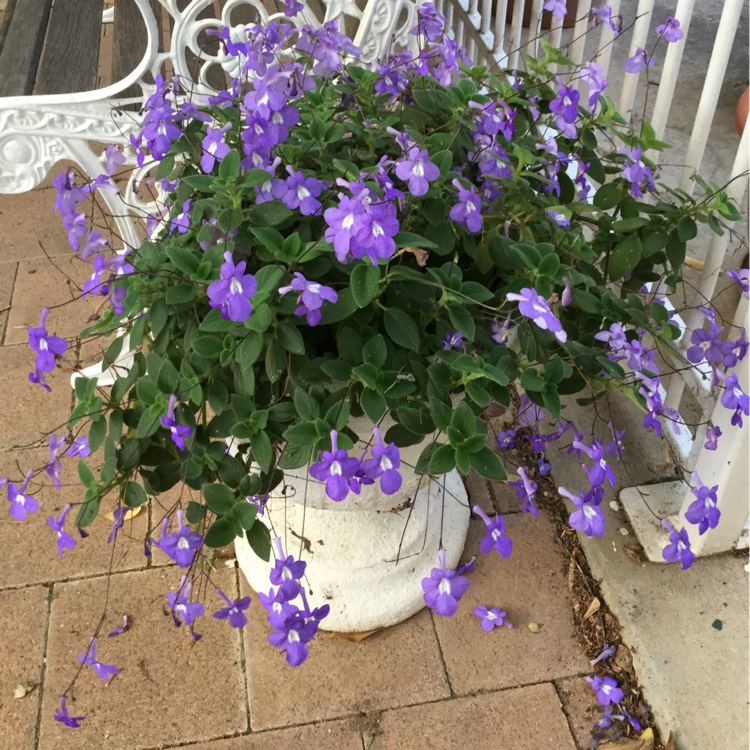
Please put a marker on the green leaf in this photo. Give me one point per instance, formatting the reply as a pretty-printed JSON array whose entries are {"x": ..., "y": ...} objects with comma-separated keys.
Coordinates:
[
  {"x": 275, "y": 361},
  {"x": 364, "y": 282},
  {"x": 443, "y": 160},
  {"x": 608, "y": 195},
  {"x": 86, "y": 476},
  {"x": 477, "y": 394},
  {"x": 97, "y": 433},
  {"x": 195, "y": 512},
  {"x": 307, "y": 407},
  {"x": 269, "y": 214},
  {"x": 208, "y": 347},
  {"x": 409, "y": 239},
  {"x": 367, "y": 374},
  {"x": 220, "y": 534},
  {"x": 290, "y": 338},
  {"x": 530, "y": 380},
  {"x": 88, "y": 512},
  {"x": 441, "y": 413},
  {"x": 219, "y": 497},
  {"x": 373, "y": 404},
  {"x": 401, "y": 328},
  {"x": 625, "y": 257},
  {"x": 301, "y": 434},
  {"x": 180, "y": 294},
  {"x": 488, "y": 464},
  {"x": 336, "y": 369},
  {"x": 464, "y": 421},
  {"x": 687, "y": 229},
  {"x": 183, "y": 260},
  {"x": 341, "y": 309},
  {"x": 259, "y": 539},
  {"x": 375, "y": 352},
  {"x": 167, "y": 378},
  {"x": 230, "y": 166},
  {"x": 245, "y": 514},
  {"x": 461, "y": 320},
  {"x": 260, "y": 445},
  {"x": 134, "y": 495},
  {"x": 268, "y": 237},
  {"x": 442, "y": 460},
  {"x": 549, "y": 266}
]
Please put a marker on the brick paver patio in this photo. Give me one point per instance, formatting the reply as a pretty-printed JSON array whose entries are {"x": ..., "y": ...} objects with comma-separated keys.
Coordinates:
[{"x": 427, "y": 683}]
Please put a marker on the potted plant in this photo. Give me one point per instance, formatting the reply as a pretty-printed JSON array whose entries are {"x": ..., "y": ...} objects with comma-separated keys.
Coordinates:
[{"x": 348, "y": 267}]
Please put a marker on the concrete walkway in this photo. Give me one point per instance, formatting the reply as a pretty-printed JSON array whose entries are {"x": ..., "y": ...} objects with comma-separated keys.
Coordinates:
[{"x": 427, "y": 683}]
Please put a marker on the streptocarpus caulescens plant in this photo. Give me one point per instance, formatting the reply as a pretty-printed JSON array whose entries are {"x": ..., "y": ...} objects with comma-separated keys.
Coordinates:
[{"x": 337, "y": 241}]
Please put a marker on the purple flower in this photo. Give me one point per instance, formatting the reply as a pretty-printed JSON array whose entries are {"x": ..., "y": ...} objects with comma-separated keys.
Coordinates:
[
  {"x": 287, "y": 574},
  {"x": 417, "y": 169},
  {"x": 292, "y": 7},
  {"x": 105, "y": 671},
  {"x": 592, "y": 76},
  {"x": 565, "y": 104},
  {"x": 277, "y": 606},
  {"x": 302, "y": 192},
  {"x": 614, "y": 337},
  {"x": 636, "y": 172},
  {"x": 181, "y": 222},
  {"x": 607, "y": 690},
  {"x": 291, "y": 639},
  {"x": 180, "y": 545},
  {"x": 444, "y": 588},
  {"x": 670, "y": 30},
  {"x": 429, "y": 22},
  {"x": 491, "y": 618},
  {"x": 556, "y": 7},
  {"x": 62, "y": 715},
  {"x": 494, "y": 537},
  {"x": 64, "y": 540},
  {"x": 182, "y": 609},
  {"x": 384, "y": 464},
  {"x": 335, "y": 468},
  {"x": 533, "y": 305},
  {"x": 506, "y": 440},
  {"x": 80, "y": 448},
  {"x": 453, "y": 340},
  {"x": 500, "y": 331},
  {"x": 640, "y": 60},
  {"x": 735, "y": 398},
  {"x": 558, "y": 218},
  {"x": 118, "y": 514},
  {"x": 54, "y": 466},
  {"x": 603, "y": 14},
  {"x": 113, "y": 158},
  {"x": 234, "y": 611},
  {"x": 703, "y": 512},
  {"x": 566, "y": 297},
  {"x": 528, "y": 413},
  {"x": 678, "y": 547},
  {"x": 120, "y": 629},
  {"x": 712, "y": 436},
  {"x": 588, "y": 517},
  {"x": 525, "y": 490},
  {"x": 214, "y": 148},
  {"x": 20, "y": 503},
  {"x": 467, "y": 212},
  {"x": 311, "y": 298},
  {"x": 178, "y": 432},
  {"x": 608, "y": 652},
  {"x": 601, "y": 470},
  {"x": 47, "y": 348},
  {"x": 742, "y": 277},
  {"x": 231, "y": 294}
]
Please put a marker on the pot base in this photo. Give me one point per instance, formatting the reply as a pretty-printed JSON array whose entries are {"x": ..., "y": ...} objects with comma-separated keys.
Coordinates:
[{"x": 367, "y": 563}]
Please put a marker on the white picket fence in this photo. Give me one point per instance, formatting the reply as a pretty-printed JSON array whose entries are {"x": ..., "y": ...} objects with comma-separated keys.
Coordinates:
[{"x": 482, "y": 28}]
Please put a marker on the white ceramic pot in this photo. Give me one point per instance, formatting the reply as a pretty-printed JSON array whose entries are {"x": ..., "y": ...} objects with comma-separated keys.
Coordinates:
[{"x": 367, "y": 554}]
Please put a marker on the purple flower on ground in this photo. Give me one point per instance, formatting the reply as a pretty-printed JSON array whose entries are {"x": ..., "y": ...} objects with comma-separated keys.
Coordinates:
[
  {"x": 607, "y": 690},
  {"x": 182, "y": 609},
  {"x": 670, "y": 30},
  {"x": 712, "y": 436},
  {"x": 311, "y": 297},
  {"x": 525, "y": 490},
  {"x": 180, "y": 545},
  {"x": 105, "y": 671},
  {"x": 120, "y": 629},
  {"x": 384, "y": 464},
  {"x": 529, "y": 414},
  {"x": 678, "y": 547},
  {"x": 603, "y": 14},
  {"x": 231, "y": 294},
  {"x": 47, "y": 348},
  {"x": 20, "y": 503},
  {"x": 178, "y": 432},
  {"x": 558, "y": 218},
  {"x": 416, "y": 168},
  {"x": 506, "y": 440},
  {"x": 494, "y": 537},
  {"x": 467, "y": 212},
  {"x": 80, "y": 448},
  {"x": 588, "y": 517},
  {"x": 608, "y": 652},
  {"x": 556, "y": 7},
  {"x": 214, "y": 148},
  {"x": 64, "y": 540},
  {"x": 444, "y": 588},
  {"x": 533, "y": 305},
  {"x": 234, "y": 610},
  {"x": 335, "y": 468},
  {"x": 703, "y": 511},
  {"x": 62, "y": 715},
  {"x": 491, "y": 618},
  {"x": 453, "y": 340},
  {"x": 742, "y": 277},
  {"x": 429, "y": 22},
  {"x": 640, "y": 60}
]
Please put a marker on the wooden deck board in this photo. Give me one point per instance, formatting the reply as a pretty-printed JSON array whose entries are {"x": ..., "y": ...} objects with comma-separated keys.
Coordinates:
[{"x": 25, "y": 24}]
